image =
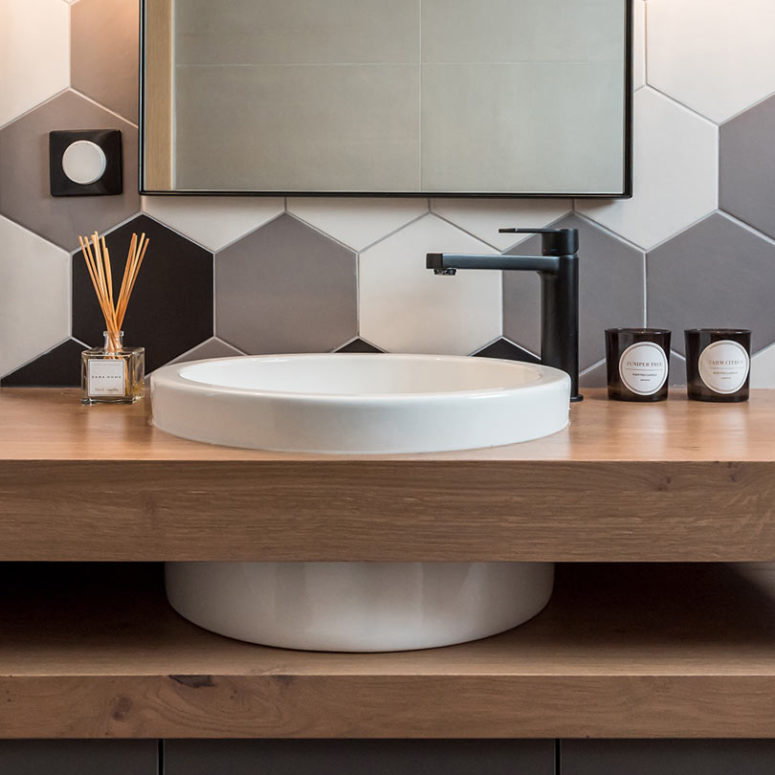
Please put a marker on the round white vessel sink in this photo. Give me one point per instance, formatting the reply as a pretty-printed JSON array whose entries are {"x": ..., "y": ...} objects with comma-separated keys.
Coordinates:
[
  {"x": 364, "y": 404},
  {"x": 360, "y": 403}
]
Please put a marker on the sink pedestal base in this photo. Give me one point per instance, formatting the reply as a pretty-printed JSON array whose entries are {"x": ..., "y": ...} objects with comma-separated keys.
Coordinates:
[{"x": 356, "y": 606}]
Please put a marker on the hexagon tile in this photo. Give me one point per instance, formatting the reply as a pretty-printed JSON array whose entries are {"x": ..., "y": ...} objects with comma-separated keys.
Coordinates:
[
  {"x": 747, "y": 167},
  {"x": 34, "y": 308},
  {"x": 406, "y": 308},
  {"x": 59, "y": 367},
  {"x": 675, "y": 174},
  {"x": 483, "y": 217},
  {"x": 213, "y": 222},
  {"x": 35, "y": 60},
  {"x": 716, "y": 274},
  {"x": 104, "y": 53},
  {"x": 170, "y": 311},
  {"x": 357, "y": 222},
  {"x": 611, "y": 278},
  {"x": 24, "y": 176},
  {"x": 716, "y": 57},
  {"x": 285, "y": 288}
]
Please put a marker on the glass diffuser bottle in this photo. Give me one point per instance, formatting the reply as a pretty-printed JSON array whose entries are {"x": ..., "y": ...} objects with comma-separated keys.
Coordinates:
[{"x": 112, "y": 373}]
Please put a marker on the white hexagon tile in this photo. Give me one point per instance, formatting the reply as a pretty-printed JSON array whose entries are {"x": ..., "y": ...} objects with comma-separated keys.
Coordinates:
[
  {"x": 483, "y": 217},
  {"x": 34, "y": 295},
  {"x": 34, "y": 54},
  {"x": 213, "y": 222},
  {"x": 718, "y": 58},
  {"x": 639, "y": 10},
  {"x": 359, "y": 222},
  {"x": 675, "y": 173},
  {"x": 404, "y": 307}
]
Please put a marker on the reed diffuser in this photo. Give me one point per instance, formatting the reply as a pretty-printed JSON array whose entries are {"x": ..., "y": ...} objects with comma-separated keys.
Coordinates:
[{"x": 112, "y": 373}]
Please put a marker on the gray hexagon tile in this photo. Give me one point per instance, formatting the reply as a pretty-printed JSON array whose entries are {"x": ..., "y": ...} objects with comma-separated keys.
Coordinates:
[
  {"x": 24, "y": 173},
  {"x": 286, "y": 288},
  {"x": 611, "y": 278},
  {"x": 717, "y": 274},
  {"x": 104, "y": 60},
  {"x": 747, "y": 167},
  {"x": 34, "y": 306},
  {"x": 212, "y": 348},
  {"x": 35, "y": 58}
]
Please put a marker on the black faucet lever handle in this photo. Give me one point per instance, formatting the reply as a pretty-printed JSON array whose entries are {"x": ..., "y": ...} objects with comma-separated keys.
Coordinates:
[
  {"x": 529, "y": 231},
  {"x": 554, "y": 242}
]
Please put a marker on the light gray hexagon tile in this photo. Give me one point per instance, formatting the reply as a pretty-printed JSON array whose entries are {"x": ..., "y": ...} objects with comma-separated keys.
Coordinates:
[
  {"x": 212, "y": 348},
  {"x": 763, "y": 368},
  {"x": 717, "y": 274},
  {"x": 716, "y": 57},
  {"x": 213, "y": 222},
  {"x": 36, "y": 54},
  {"x": 404, "y": 307},
  {"x": 25, "y": 195},
  {"x": 611, "y": 282},
  {"x": 747, "y": 167},
  {"x": 34, "y": 296},
  {"x": 483, "y": 217},
  {"x": 357, "y": 222},
  {"x": 285, "y": 288},
  {"x": 675, "y": 173}
]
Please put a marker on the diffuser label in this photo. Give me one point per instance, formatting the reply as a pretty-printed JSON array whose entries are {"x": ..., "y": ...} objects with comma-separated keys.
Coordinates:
[
  {"x": 724, "y": 366},
  {"x": 106, "y": 377},
  {"x": 643, "y": 368}
]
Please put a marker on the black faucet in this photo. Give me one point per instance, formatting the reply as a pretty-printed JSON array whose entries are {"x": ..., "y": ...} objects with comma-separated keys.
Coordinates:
[{"x": 559, "y": 271}]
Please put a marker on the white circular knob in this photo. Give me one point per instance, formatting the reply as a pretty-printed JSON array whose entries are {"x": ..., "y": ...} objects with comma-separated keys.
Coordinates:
[{"x": 84, "y": 162}]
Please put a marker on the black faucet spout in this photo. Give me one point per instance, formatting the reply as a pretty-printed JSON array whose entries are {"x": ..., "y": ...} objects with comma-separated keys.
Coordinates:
[{"x": 559, "y": 272}]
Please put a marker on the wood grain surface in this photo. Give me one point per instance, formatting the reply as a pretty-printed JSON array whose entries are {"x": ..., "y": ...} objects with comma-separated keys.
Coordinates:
[
  {"x": 621, "y": 651},
  {"x": 678, "y": 481}
]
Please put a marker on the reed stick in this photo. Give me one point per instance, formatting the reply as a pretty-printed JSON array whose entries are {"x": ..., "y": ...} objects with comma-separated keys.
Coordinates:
[{"x": 97, "y": 258}]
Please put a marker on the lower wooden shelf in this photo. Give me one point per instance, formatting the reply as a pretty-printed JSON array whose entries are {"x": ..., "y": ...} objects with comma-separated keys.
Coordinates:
[{"x": 93, "y": 651}]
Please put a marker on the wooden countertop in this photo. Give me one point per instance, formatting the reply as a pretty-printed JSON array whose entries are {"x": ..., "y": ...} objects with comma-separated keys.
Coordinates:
[
  {"x": 621, "y": 651},
  {"x": 675, "y": 481}
]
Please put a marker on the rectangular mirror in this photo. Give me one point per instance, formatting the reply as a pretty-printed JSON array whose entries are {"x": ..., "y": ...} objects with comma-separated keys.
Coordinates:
[{"x": 409, "y": 97}]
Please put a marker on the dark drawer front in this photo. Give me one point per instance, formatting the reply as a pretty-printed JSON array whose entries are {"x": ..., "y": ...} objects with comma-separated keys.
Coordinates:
[
  {"x": 353, "y": 757},
  {"x": 667, "y": 757},
  {"x": 79, "y": 757}
]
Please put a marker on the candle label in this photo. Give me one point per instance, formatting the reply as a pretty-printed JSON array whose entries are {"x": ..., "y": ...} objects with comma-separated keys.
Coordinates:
[
  {"x": 106, "y": 377},
  {"x": 643, "y": 368},
  {"x": 724, "y": 366}
]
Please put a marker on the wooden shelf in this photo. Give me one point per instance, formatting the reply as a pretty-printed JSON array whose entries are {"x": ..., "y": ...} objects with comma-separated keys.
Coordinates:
[
  {"x": 674, "y": 481},
  {"x": 622, "y": 651}
]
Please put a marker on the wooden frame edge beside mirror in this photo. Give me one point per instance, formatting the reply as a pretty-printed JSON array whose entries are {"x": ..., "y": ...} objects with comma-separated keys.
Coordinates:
[{"x": 410, "y": 98}]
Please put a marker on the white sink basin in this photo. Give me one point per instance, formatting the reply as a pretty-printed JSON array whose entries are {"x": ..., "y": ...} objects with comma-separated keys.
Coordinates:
[
  {"x": 359, "y": 404},
  {"x": 338, "y": 403}
]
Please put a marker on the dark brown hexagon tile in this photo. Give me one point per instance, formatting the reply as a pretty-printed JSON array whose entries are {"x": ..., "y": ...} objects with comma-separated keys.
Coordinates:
[
  {"x": 170, "y": 311},
  {"x": 104, "y": 53},
  {"x": 611, "y": 278},
  {"x": 285, "y": 288},
  {"x": 358, "y": 345},
  {"x": 717, "y": 274},
  {"x": 747, "y": 167},
  {"x": 24, "y": 173},
  {"x": 506, "y": 350},
  {"x": 59, "y": 367}
]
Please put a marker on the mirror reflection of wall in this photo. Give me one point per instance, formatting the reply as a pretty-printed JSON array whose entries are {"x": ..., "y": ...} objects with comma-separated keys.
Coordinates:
[{"x": 386, "y": 96}]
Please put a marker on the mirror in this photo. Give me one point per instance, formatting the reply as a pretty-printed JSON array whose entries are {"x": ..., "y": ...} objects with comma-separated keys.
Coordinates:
[{"x": 410, "y": 97}]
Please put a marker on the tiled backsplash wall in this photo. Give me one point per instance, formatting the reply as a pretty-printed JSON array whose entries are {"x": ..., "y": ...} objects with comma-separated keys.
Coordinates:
[{"x": 695, "y": 246}]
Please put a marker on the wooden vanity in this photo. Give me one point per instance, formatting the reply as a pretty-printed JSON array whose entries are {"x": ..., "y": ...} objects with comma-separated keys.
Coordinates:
[{"x": 637, "y": 650}]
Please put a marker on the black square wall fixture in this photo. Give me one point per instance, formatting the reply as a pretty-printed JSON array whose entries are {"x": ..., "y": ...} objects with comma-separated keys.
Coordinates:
[
  {"x": 85, "y": 162},
  {"x": 171, "y": 307}
]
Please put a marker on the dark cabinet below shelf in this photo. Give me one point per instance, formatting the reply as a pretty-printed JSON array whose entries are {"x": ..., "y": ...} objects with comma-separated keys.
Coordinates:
[
  {"x": 667, "y": 757},
  {"x": 79, "y": 757},
  {"x": 353, "y": 757}
]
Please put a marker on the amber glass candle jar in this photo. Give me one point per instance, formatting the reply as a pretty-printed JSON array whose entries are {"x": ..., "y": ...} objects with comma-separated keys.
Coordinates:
[
  {"x": 718, "y": 363},
  {"x": 637, "y": 363}
]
